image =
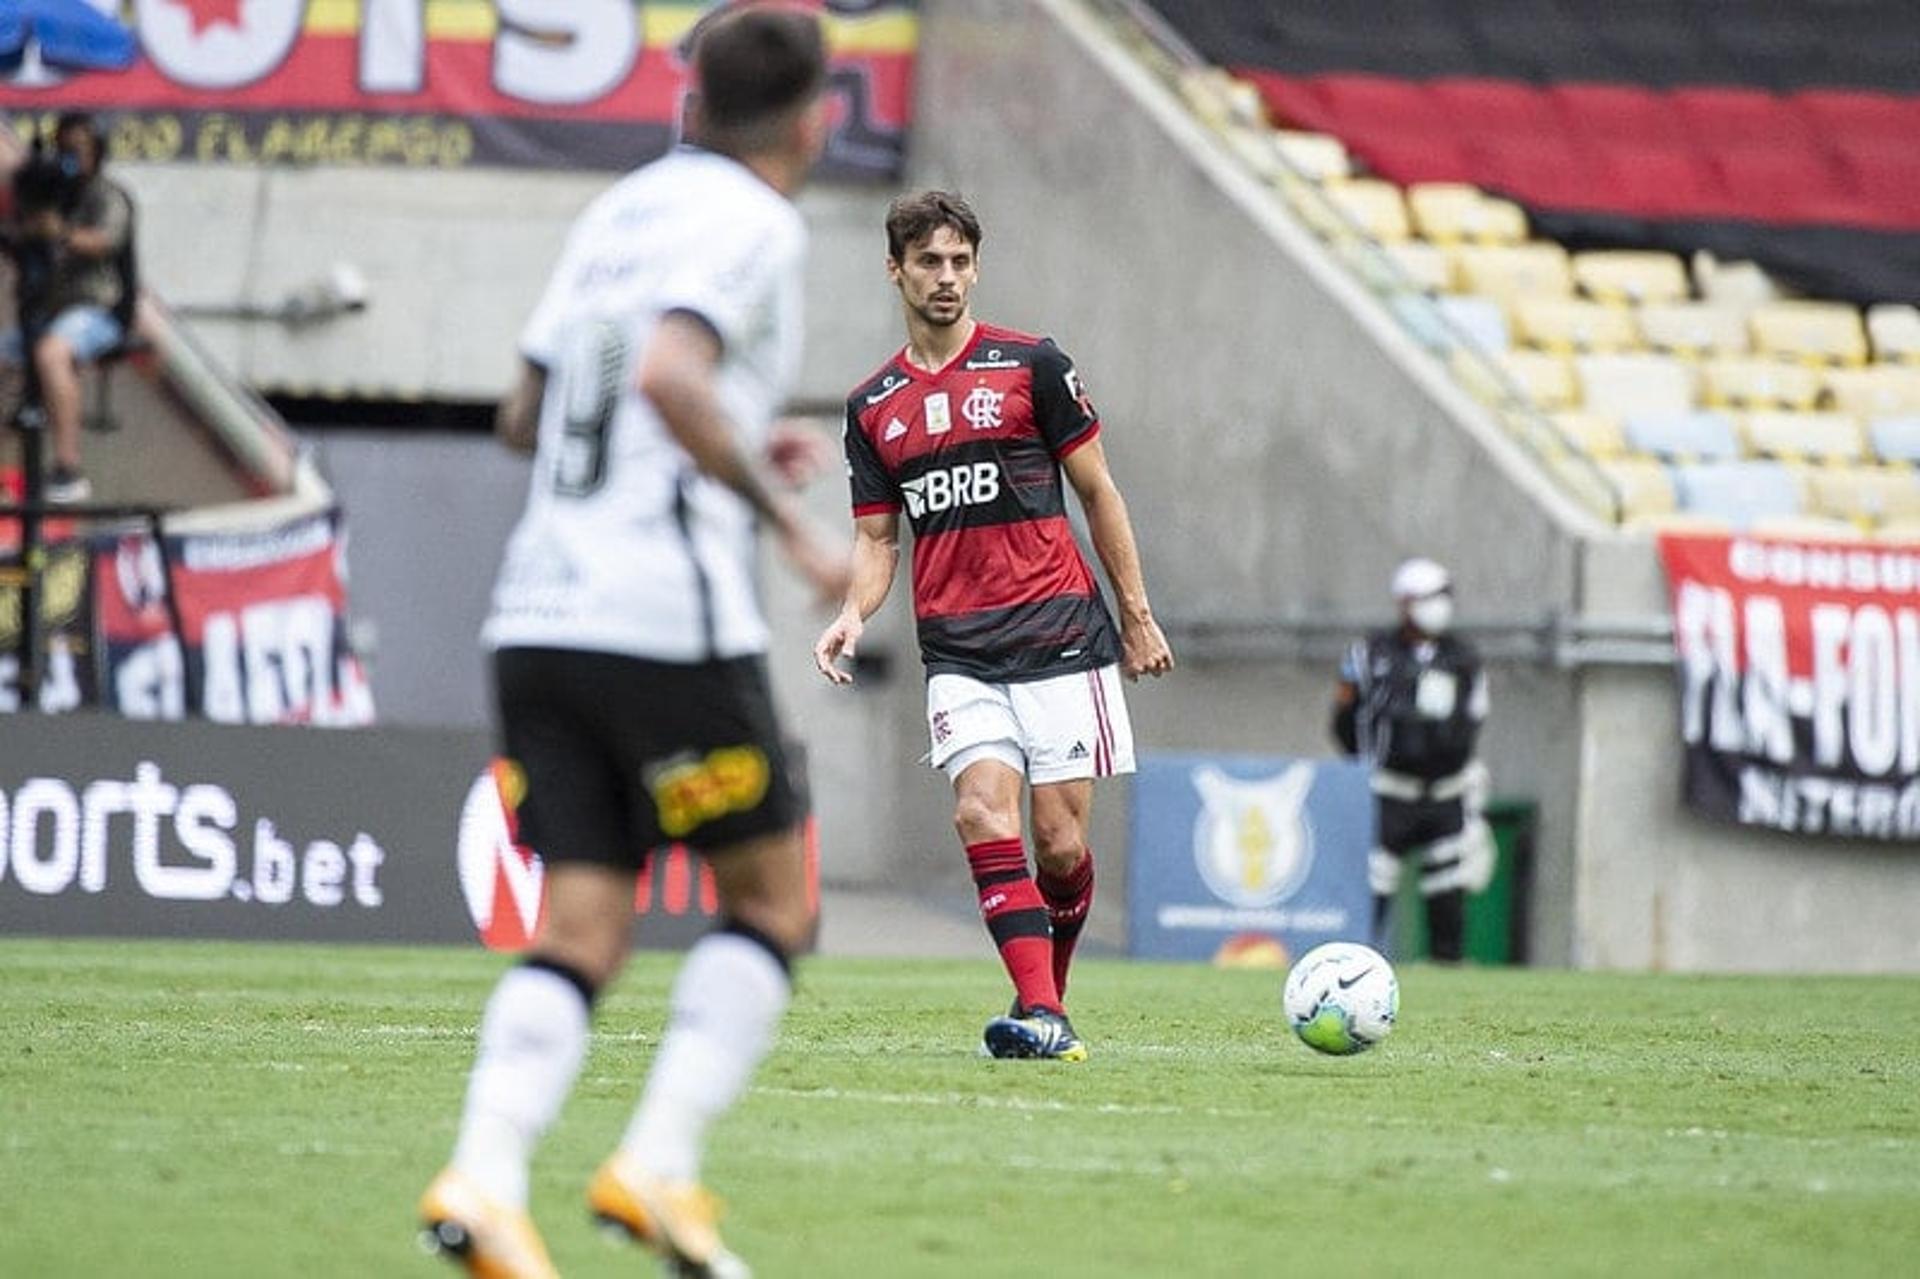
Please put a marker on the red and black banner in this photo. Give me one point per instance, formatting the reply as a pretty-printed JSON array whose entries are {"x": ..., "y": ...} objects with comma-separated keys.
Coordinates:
[
  {"x": 238, "y": 628},
  {"x": 1787, "y": 134},
  {"x": 593, "y": 84},
  {"x": 1799, "y": 679}
]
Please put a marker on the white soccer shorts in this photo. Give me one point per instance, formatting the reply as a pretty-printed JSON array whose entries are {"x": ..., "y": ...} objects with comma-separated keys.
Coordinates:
[{"x": 1060, "y": 729}]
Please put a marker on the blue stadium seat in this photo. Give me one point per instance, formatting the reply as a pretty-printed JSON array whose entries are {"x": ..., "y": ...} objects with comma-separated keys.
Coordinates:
[
  {"x": 1481, "y": 319},
  {"x": 1896, "y": 439},
  {"x": 1703, "y": 436},
  {"x": 1738, "y": 492}
]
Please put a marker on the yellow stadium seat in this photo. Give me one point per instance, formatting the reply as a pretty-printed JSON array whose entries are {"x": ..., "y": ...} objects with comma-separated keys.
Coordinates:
[
  {"x": 1376, "y": 207},
  {"x": 1643, "y": 486},
  {"x": 1813, "y": 332},
  {"x": 1812, "y": 528},
  {"x": 1566, "y": 325},
  {"x": 1219, "y": 98},
  {"x": 1817, "y": 437},
  {"x": 1898, "y": 531},
  {"x": 1694, "y": 329},
  {"x": 1678, "y": 522},
  {"x": 1597, "y": 435},
  {"x": 1638, "y": 383},
  {"x": 1452, "y": 212},
  {"x": 1507, "y": 271},
  {"x": 1546, "y": 380},
  {"x": 1748, "y": 382},
  {"x": 1895, "y": 330},
  {"x": 1879, "y": 390},
  {"x": 1255, "y": 148},
  {"x": 1424, "y": 265},
  {"x": 1630, "y": 275},
  {"x": 1319, "y": 156},
  {"x": 1864, "y": 494}
]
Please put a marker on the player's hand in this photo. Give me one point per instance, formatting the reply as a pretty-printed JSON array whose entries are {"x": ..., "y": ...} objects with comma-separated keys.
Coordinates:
[
  {"x": 822, "y": 564},
  {"x": 1143, "y": 649},
  {"x": 798, "y": 451},
  {"x": 837, "y": 641}
]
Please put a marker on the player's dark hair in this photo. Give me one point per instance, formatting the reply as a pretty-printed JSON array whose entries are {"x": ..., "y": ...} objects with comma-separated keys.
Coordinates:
[
  {"x": 912, "y": 218},
  {"x": 753, "y": 67}
]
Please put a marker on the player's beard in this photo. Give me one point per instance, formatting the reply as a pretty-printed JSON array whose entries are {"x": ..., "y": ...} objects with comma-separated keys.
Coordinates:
[{"x": 941, "y": 319}]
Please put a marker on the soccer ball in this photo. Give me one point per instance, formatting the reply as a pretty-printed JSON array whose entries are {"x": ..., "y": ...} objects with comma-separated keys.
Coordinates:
[{"x": 1341, "y": 998}]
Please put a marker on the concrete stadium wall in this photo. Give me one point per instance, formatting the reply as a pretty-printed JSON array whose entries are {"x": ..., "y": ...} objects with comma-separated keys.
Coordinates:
[{"x": 454, "y": 261}]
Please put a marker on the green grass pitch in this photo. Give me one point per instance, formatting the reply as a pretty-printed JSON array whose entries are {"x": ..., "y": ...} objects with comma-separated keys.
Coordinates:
[{"x": 226, "y": 1110}]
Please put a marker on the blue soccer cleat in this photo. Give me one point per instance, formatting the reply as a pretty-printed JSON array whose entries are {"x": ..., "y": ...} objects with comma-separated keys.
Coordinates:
[{"x": 1033, "y": 1033}]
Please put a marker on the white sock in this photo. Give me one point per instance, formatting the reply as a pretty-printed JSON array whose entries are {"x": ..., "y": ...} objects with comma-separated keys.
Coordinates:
[
  {"x": 727, "y": 1004},
  {"x": 532, "y": 1041}
]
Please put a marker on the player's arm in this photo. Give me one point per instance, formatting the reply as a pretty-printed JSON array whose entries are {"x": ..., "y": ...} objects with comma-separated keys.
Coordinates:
[
  {"x": 677, "y": 375},
  {"x": 516, "y": 423},
  {"x": 1144, "y": 650},
  {"x": 876, "y": 555},
  {"x": 1346, "y": 698}
]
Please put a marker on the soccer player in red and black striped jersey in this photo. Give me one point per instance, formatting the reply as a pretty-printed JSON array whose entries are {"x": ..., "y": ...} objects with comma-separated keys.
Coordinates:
[{"x": 974, "y": 432}]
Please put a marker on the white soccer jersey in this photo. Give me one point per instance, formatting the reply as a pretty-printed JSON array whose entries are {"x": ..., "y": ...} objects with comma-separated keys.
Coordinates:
[{"x": 625, "y": 547}]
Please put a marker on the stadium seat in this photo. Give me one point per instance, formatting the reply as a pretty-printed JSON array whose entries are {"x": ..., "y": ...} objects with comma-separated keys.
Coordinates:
[
  {"x": 1813, "y": 437},
  {"x": 1544, "y": 380},
  {"x": 1630, "y": 275},
  {"x": 1879, "y": 390},
  {"x": 1748, "y": 382},
  {"x": 1814, "y": 332},
  {"x": 1597, "y": 435},
  {"x": 1907, "y": 531},
  {"x": 1737, "y": 284},
  {"x": 1567, "y": 325},
  {"x": 1864, "y": 494},
  {"x": 1643, "y": 487},
  {"x": 1450, "y": 212},
  {"x": 1376, "y": 207},
  {"x": 1255, "y": 148},
  {"x": 1538, "y": 268},
  {"x": 1739, "y": 492},
  {"x": 1895, "y": 329},
  {"x": 1425, "y": 265},
  {"x": 1319, "y": 156},
  {"x": 1219, "y": 98},
  {"x": 1896, "y": 439},
  {"x": 1480, "y": 319},
  {"x": 1689, "y": 436},
  {"x": 1693, "y": 329},
  {"x": 1637, "y": 383}
]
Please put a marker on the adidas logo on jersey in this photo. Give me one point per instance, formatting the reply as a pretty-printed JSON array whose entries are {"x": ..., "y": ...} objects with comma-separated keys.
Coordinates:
[
  {"x": 1079, "y": 751},
  {"x": 895, "y": 429}
]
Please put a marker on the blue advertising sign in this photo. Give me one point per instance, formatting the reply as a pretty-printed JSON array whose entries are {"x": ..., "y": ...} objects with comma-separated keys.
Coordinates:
[{"x": 1230, "y": 846}]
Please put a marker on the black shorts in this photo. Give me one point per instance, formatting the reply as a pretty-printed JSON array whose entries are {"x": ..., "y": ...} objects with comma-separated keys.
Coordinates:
[
  {"x": 621, "y": 755},
  {"x": 1409, "y": 825}
]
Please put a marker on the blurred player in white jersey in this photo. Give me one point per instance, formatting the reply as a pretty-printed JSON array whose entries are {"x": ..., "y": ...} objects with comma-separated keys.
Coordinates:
[{"x": 629, "y": 648}]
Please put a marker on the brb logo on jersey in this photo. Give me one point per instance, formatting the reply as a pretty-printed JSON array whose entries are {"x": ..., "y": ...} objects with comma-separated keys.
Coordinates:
[
  {"x": 981, "y": 408},
  {"x": 965, "y": 484}
]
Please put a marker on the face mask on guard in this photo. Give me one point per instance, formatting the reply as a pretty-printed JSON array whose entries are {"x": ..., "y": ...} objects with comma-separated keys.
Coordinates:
[{"x": 1432, "y": 614}]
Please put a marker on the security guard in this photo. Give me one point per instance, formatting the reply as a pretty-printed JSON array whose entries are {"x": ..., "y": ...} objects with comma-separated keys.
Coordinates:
[{"x": 1411, "y": 702}]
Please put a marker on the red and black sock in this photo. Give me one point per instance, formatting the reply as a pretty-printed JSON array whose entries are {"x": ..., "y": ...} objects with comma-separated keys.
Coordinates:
[
  {"x": 1068, "y": 899},
  {"x": 1016, "y": 918}
]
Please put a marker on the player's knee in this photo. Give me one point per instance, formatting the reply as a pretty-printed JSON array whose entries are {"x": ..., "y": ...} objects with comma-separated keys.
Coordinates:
[
  {"x": 1058, "y": 846},
  {"x": 789, "y": 926},
  {"x": 977, "y": 817}
]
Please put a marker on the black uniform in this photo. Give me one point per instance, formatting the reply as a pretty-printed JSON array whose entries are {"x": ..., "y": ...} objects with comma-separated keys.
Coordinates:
[{"x": 1414, "y": 712}]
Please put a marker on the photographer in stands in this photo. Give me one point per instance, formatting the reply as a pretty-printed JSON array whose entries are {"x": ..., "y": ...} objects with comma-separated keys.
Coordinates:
[
  {"x": 1411, "y": 702},
  {"x": 72, "y": 247}
]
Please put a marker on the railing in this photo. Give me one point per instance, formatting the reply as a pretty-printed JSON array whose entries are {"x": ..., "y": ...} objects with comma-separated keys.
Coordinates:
[
  {"x": 1241, "y": 124},
  {"x": 1552, "y": 640}
]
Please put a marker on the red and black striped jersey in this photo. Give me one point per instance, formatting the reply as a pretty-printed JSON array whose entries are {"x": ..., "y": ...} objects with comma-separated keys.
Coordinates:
[{"x": 972, "y": 454}]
